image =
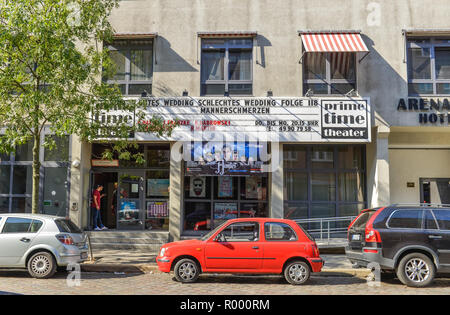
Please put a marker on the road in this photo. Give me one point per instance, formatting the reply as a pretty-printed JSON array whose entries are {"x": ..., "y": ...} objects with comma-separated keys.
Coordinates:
[{"x": 18, "y": 282}]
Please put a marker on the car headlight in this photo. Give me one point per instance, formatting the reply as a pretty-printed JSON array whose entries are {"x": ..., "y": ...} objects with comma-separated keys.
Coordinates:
[{"x": 163, "y": 251}]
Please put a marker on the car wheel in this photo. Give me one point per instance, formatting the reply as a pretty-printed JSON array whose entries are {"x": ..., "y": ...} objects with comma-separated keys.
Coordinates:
[
  {"x": 186, "y": 271},
  {"x": 297, "y": 272},
  {"x": 42, "y": 265},
  {"x": 416, "y": 270}
]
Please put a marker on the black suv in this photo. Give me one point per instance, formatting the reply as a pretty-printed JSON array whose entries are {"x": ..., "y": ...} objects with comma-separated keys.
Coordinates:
[{"x": 413, "y": 241}]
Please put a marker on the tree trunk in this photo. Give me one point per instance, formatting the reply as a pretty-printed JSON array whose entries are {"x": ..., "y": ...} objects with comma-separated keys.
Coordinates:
[{"x": 36, "y": 174}]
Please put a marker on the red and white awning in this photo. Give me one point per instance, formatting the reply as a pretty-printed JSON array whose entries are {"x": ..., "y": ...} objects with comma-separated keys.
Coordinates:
[{"x": 333, "y": 42}]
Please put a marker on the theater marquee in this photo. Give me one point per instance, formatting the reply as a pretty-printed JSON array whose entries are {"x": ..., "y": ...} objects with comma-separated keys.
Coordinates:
[{"x": 286, "y": 119}]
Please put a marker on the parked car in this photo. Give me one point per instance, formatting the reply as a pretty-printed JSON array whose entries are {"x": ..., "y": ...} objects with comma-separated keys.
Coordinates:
[
  {"x": 40, "y": 243},
  {"x": 412, "y": 241},
  {"x": 246, "y": 245}
]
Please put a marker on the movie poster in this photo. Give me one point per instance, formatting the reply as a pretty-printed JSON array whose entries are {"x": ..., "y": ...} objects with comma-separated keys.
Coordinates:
[
  {"x": 225, "y": 187},
  {"x": 197, "y": 187}
]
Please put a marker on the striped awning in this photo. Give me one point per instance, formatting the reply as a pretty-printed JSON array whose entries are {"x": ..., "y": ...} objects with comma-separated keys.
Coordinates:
[{"x": 333, "y": 42}]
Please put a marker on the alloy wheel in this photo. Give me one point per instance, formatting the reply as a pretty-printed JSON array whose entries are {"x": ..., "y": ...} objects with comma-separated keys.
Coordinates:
[
  {"x": 417, "y": 270},
  {"x": 298, "y": 273},
  {"x": 187, "y": 271}
]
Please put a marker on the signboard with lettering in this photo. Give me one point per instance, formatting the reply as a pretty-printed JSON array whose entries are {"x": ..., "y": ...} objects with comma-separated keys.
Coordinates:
[
  {"x": 284, "y": 119},
  {"x": 289, "y": 119},
  {"x": 430, "y": 111}
]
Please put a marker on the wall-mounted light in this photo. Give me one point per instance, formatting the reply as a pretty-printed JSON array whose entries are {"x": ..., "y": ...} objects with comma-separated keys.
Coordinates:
[
  {"x": 76, "y": 163},
  {"x": 185, "y": 93},
  {"x": 269, "y": 93},
  {"x": 226, "y": 93}
]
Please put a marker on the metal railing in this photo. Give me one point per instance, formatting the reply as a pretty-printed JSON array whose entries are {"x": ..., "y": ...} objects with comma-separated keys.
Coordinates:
[{"x": 326, "y": 229}]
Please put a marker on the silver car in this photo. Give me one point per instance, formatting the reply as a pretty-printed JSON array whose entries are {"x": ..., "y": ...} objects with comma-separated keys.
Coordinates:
[{"x": 40, "y": 243}]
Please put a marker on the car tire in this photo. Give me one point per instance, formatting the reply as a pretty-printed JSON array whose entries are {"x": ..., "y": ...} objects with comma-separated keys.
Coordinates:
[
  {"x": 297, "y": 272},
  {"x": 416, "y": 270},
  {"x": 42, "y": 265},
  {"x": 186, "y": 271}
]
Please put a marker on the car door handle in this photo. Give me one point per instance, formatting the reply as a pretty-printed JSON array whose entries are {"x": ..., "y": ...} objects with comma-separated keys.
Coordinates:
[
  {"x": 25, "y": 240},
  {"x": 255, "y": 247},
  {"x": 435, "y": 236}
]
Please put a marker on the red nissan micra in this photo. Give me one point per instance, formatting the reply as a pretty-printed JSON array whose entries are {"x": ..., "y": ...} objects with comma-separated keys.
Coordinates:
[{"x": 250, "y": 245}]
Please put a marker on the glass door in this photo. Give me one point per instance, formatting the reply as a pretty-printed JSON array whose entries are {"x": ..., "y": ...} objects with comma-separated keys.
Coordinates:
[{"x": 130, "y": 212}]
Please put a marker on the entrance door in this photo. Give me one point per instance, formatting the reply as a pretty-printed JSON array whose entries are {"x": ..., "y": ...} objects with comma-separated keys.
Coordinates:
[
  {"x": 435, "y": 190},
  {"x": 130, "y": 210}
]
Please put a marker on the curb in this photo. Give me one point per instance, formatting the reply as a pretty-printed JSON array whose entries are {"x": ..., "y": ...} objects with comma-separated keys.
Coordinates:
[{"x": 151, "y": 268}]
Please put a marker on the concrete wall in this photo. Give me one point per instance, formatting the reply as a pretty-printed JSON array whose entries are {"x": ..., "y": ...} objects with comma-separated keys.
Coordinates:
[{"x": 382, "y": 74}]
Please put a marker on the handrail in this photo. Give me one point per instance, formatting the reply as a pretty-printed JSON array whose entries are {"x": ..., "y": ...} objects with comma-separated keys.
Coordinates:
[{"x": 326, "y": 228}]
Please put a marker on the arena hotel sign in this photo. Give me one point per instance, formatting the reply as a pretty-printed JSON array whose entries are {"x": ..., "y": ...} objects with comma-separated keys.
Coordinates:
[
  {"x": 434, "y": 111},
  {"x": 290, "y": 119}
]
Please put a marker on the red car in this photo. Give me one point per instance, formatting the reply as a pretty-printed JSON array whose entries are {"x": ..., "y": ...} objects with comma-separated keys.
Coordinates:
[{"x": 250, "y": 245}]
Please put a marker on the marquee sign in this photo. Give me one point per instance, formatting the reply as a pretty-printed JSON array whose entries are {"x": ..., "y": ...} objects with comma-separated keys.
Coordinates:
[
  {"x": 280, "y": 119},
  {"x": 288, "y": 119}
]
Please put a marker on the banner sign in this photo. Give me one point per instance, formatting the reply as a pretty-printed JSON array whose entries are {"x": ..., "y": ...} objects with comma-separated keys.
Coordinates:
[
  {"x": 286, "y": 119},
  {"x": 213, "y": 159}
]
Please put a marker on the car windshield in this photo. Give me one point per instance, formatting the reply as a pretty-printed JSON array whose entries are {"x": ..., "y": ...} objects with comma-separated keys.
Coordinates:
[{"x": 207, "y": 236}]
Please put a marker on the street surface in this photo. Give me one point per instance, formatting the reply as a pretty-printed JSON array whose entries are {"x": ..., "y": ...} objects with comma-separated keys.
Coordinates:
[{"x": 18, "y": 282}]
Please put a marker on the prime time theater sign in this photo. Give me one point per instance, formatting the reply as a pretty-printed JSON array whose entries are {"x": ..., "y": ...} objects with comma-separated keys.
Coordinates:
[{"x": 288, "y": 119}]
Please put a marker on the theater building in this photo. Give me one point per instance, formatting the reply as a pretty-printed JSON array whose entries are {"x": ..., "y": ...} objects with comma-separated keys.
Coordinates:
[{"x": 299, "y": 109}]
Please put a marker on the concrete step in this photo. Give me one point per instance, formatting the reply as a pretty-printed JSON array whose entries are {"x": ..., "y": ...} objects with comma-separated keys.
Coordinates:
[{"x": 144, "y": 248}]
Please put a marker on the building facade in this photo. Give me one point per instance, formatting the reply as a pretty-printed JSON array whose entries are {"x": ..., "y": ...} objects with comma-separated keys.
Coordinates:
[{"x": 353, "y": 98}]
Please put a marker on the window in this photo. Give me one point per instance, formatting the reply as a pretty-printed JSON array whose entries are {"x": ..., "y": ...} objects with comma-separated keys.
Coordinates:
[
  {"x": 133, "y": 61},
  {"x": 17, "y": 225},
  {"x": 67, "y": 226},
  {"x": 275, "y": 231},
  {"x": 16, "y": 176},
  {"x": 443, "y": 218},
  {"x": 226, "y": 67},
  {"x": 430, "y": 221},
  {"x": 329, "y": 73},
  {"x": 241, "y": 232},
  {"x": 428, "y": 66},
  {"x": 324, "y": 181},
  {"x": 406, "y": 219}
]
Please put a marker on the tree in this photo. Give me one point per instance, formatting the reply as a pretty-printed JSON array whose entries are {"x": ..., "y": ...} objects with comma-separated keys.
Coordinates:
[{"x": 51, "y": 65}]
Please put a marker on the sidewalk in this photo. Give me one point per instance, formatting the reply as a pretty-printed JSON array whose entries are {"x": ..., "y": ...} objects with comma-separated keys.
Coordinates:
[{"x": 137, "y": 262}]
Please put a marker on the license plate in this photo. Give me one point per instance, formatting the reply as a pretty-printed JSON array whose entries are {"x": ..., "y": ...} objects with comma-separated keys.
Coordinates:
[
  {"x": 356, "y": 237},
  {"x": 84, "y": 255}
]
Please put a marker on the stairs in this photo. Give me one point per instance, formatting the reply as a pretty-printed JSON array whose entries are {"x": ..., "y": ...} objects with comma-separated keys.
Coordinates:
[{"x": 143, "y": 241}]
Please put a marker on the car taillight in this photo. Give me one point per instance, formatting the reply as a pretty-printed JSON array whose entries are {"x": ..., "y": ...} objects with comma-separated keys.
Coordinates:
[
  {"x": 372, "y": 236},
  {"x": 65, "y": 239}
]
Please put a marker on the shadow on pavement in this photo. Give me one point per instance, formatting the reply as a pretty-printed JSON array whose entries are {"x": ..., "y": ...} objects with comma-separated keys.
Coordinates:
[
  {"x": 264, "y": 279},
  {"x": 64, "y": 274}
]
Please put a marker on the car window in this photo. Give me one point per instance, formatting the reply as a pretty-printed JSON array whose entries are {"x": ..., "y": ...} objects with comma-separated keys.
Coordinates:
[
  {"x": 430, "y": 222},
  {"x": 35, "y": 226},
  {"x": 406, "y": 219},
  {"x": 277, "y": 231},
  {"x": 67, "y": 226},
  {"x": 443, "y": 219},
  {"x": 17, "y": 225},
  {"x": 363, "y": 218},
  {"x": 241, "y": 232}
]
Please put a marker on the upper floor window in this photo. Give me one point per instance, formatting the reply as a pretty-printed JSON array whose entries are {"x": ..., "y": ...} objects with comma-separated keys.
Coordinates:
[
  {"x": 226, "y": 67},
  {"x": 329, "y": 73},
  {"x": 133, "y": 60},
  {"x": 428, "y": 62}
]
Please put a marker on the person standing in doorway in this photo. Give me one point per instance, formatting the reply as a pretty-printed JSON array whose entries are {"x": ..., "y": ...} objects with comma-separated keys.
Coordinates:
[{"x": 96, "y": 208}]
